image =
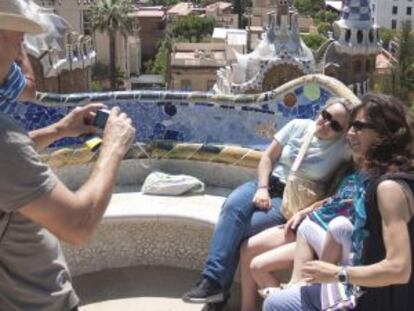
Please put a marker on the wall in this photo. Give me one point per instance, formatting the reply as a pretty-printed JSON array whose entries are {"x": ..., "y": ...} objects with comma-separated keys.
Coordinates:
[
  {"x": 247, "y": 120},
  {"x": 382, "y": 12}
]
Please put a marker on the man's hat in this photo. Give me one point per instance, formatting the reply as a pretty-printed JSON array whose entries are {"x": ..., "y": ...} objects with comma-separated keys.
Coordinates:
[{"x": 14, "y": 15}]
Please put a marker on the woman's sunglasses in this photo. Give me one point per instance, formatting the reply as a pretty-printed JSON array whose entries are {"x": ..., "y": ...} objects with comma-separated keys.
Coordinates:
[
  {"x": 332, "y": 122},
  {"x": 360, "y": 125}
]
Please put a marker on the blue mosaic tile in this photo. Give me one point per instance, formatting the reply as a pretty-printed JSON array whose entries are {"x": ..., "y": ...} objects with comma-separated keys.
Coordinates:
[{"x": 181, "y": 116}]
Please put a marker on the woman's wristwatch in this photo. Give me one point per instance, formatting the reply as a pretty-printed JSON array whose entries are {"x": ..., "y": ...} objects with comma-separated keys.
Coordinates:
[{"x": 343, "y": 276}]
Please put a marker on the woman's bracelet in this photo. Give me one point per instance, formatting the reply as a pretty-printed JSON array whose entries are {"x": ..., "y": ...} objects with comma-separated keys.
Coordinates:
[{"x": 263, "y": 187}]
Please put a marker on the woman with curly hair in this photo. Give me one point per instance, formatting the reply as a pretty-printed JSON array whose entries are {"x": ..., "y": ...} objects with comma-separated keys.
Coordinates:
[{"x": 381, "y": 133}]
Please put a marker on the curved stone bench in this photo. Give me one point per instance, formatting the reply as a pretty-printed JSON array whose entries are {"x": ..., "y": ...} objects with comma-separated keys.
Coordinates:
[{"x": 139, "y": 229}]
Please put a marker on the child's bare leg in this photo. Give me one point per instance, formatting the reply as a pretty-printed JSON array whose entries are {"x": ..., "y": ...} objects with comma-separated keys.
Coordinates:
[
  {"x": 310, "y": 240},
  {"x": 338, "y": 242},
  {"x": 276, "y": 259},
  {"x": 260, "y": 243}
]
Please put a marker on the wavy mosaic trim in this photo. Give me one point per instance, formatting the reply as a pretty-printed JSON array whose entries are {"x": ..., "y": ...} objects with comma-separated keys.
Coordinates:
[
  {"x": 331, "y": 84},
  {"x": 163, "y": 150}
]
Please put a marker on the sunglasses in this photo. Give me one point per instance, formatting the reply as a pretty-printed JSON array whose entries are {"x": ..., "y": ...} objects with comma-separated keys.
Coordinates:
[
  {"x": 360, "y": 125},
  {"x": 332, "y": 122}
]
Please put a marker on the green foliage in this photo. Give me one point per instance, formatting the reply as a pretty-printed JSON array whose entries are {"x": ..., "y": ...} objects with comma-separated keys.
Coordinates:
[
  {"x": 167, "y": 3},
  {"x": 325, "y": 16},
  {"x": 97, "y": 86},
  {"x": 314, "y": 41},
  {"x": 402, "y": 73},
  {"x": 112, "y": 16},
  {"x": 192, "y": 28},
  {"x": 324, "y": 28},
  {"x": 159, "y": 64},
  {"x": 386, "y": 36},
  {"x": 309, "y": 7}
]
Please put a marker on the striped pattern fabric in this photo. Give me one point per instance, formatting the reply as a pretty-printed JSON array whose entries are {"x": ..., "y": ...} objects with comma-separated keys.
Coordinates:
[
  {"x": 337, "y": 296},
  {"x": 14, "y": 85}
]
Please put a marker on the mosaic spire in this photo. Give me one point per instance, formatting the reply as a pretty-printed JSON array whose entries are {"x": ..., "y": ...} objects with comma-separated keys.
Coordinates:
[
  {"x": 356, "y": 12},
  {"x": 355, "y": 32}
]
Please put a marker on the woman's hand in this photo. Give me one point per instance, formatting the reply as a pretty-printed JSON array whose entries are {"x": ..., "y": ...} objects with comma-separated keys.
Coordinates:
[
  {"x": 293, "y": 223},
  {"x": 318, "y": 271},
  {"x": 262, "y": 199}
]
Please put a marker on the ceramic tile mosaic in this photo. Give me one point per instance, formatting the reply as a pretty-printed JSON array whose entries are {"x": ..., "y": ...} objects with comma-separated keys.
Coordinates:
[{"x": 247, "y": 120}]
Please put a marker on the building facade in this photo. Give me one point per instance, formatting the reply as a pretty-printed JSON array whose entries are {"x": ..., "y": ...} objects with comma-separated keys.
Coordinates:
[
  {"x": 193, "y": 66},
  {"x": 391, "y": 13},
  {"x": 77, "y": 14}
]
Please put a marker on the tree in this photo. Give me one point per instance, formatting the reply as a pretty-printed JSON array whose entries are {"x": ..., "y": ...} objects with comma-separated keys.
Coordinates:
[
  {"x": 403, "y": 69},
  {"x": 314, "y": 41},
  {"x": 113, "y": 17},
  {"x": 386, "y": 36},
  {"x": 159, "y": 64},
  {"x": 309, "y": 7},
  {"x": 193, "y": 28}
]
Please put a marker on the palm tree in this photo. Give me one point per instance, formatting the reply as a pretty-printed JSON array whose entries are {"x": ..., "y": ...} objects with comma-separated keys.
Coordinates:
[{"x": 113, "y": 17}]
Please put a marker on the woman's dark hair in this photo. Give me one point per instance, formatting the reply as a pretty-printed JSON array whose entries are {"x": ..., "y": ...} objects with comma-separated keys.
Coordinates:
[{"x": 393, "y": 122}]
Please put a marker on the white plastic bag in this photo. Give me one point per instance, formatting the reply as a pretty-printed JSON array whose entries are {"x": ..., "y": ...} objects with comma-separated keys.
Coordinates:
[{"x": 165, "y": 184}]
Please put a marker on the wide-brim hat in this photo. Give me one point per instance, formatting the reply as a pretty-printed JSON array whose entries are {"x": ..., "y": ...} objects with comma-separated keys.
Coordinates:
[{"x": 15, "y": 16}]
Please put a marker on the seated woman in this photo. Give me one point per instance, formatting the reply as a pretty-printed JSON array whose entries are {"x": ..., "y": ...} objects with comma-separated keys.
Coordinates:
[
  {"x": 338, "y": 219},
  {"x": 335, "y": 217},
  {"x": 382, "y": 131},
  {"x": 255, "y": 206}
]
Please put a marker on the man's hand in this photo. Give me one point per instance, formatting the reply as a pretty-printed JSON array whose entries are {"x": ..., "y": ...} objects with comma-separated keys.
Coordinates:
[
  {"x": 79, "y": 120},
  {"x": 318, "y": 271},
  {"x": 119, "y": 134},
  {"x": 262, "y": 199}
]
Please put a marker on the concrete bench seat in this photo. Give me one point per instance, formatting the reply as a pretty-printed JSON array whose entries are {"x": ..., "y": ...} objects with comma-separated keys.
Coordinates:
[{"x": 127, "y": 203}]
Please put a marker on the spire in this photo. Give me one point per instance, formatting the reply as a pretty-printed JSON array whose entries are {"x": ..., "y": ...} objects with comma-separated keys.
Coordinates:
[
  {"x": 355, "y": 32},
  {"x": 356, "y": 12}
]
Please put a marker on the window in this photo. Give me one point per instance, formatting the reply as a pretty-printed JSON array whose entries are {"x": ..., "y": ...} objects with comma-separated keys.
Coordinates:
[
  {"x": 395, "y": 10},
  {"x": 348, "y": 35},
  {"x": 86, "y": 22},
  {"x": 186, "y": 85},
  {"x": 409, "y": 10},
  {"x": 360, "y": 36},
  {"x": 393, "y": 24}
]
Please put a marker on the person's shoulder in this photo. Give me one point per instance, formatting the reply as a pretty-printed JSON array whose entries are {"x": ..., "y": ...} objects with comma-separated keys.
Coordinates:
[
  {"x": 391, "y": 198},
  {"x": 301, "y": 124},
  {"x": 9, "y": 125}
]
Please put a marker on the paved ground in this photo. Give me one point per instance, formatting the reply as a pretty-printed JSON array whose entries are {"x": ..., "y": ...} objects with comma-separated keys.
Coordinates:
[{"x": 139, "y": 289}]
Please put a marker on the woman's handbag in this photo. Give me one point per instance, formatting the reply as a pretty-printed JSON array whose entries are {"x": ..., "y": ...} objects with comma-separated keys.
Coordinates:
[{"x": 300, "y": 192}]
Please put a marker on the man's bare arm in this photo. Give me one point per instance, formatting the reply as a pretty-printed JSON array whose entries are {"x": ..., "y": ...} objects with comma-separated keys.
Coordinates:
[{"x": 73, "y": 216}]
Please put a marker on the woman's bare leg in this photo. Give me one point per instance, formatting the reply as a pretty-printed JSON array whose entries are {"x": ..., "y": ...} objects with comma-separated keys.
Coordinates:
[
  {"x": 260, "y": 243},
  {"x": 276, "y": 259}
]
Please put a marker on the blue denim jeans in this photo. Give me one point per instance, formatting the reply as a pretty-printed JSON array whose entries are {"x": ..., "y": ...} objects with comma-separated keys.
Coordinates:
[{"x": 238, "y": 220}]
